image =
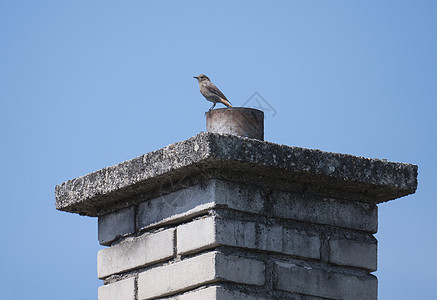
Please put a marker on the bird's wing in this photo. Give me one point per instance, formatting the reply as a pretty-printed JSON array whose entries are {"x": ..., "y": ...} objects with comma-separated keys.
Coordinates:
[{"x": 213, "y": 89}]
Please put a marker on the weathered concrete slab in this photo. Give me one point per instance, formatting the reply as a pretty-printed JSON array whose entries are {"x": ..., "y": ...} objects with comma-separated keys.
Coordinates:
[{"x": 238, "y": 159}]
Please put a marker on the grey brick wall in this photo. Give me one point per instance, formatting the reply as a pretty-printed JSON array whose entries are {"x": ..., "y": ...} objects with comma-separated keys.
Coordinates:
[
  {"x": 223, "y": 217},
  {"x": 214, "y": 237}
]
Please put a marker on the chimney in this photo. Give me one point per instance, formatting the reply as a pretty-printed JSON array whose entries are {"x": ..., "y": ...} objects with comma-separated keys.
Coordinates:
[{"x": 226, "y": 215}]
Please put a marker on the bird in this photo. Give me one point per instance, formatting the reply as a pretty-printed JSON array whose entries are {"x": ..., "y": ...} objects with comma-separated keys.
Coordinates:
[{"x": 211, "y": 92}]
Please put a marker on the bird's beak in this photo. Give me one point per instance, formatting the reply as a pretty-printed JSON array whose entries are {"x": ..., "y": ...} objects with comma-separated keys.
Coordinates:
[{"x": 195, "y": 77}]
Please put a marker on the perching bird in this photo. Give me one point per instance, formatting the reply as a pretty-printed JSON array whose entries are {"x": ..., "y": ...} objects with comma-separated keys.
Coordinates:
[{"x": 211, "y": 92}]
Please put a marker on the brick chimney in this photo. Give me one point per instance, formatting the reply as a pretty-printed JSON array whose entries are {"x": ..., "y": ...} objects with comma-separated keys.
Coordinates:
[{"x": 225, "y": 215}]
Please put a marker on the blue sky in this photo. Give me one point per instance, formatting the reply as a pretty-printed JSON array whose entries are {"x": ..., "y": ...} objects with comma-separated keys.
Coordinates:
[{"x": 89, "y": 84}]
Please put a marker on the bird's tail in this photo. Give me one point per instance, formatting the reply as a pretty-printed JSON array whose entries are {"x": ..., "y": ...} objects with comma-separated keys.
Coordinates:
[{"x": 226, "y": 102}]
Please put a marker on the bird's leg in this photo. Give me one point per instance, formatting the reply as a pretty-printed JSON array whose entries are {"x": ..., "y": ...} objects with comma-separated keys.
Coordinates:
[
  {"x": 207, "y": 112},
  {"x": 212, "y": 107}
]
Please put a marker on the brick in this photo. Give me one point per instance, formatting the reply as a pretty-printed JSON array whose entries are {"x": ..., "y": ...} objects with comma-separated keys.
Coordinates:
[
  {"x": 321, "y": 283},
  {"x": 236, "y": 233},
  {"x": 328, "y": 211},
  {"x": 273, "y": 238},
  {"x": 216, "y": 293},
  {"x": 115, "y": 225},
  {"x": 192, "y": 201},
  {"x": 196, "y": 236},
  {"x": 353, "y": 253},
  {"x": 268, "y": 237},
  {"x": 196, "y": 271},
  {"x": 240, "y": 270},
  {"x": 300, "y": 243},
  {"x": 135, "y": 252},
  {"x": 120, "y": 290},
  {"x": 249, "y": 235},
  {"x": 211, "y": 232},
  {"x": 239, "y": 196}
]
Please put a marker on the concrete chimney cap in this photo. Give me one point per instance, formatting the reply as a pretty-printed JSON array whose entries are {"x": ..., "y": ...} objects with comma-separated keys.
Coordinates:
[{"x": 246, "y": 159}]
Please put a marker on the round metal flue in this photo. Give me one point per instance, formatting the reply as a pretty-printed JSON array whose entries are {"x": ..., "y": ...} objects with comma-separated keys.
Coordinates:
[{"x": 241, "y": 121}]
